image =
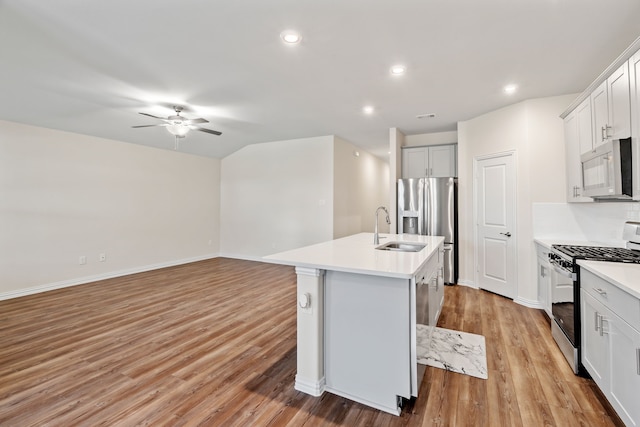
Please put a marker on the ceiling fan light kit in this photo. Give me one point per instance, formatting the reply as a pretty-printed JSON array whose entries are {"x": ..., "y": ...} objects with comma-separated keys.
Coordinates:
[
  {"x": 178, "y": 125},
  {"x": 178, "y": 129}
]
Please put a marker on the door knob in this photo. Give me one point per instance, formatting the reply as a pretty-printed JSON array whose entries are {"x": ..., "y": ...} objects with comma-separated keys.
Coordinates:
[{"x": 506, "y": 234}]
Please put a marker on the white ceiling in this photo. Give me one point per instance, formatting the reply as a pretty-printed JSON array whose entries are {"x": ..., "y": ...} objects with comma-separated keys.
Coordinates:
[{"x": 90, "y": 66}]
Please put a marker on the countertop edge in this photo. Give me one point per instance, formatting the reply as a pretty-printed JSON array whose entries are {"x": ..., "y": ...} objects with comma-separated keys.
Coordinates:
[
  {"x": 293, "y": 257},
  {"x": 610, "y": 271}
]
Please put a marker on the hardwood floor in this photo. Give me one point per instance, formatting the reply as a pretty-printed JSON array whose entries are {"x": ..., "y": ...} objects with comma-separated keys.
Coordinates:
[{"x": 214, "y": 343}]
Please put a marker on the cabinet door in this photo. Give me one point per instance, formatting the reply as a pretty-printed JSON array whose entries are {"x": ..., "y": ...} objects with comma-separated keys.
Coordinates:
[
  {"x": 573, "y": 166},
  {"x": 442, "y": 161},
  {"x": 599, "y": 114},
  {"x": 544, "y": 285},
  {"x": 595, "y": 343},
  {"x": 436, "y": 292},
  {"x": 619, "y": 102},
  {"x": 414, "y": 162},
  {"x": 624, "y": 356},
  {"x": 585, "y": 129}
]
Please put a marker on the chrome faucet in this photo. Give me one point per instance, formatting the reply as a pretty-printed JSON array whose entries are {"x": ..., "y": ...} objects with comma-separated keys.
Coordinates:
[{"x": 376, "y": 239}]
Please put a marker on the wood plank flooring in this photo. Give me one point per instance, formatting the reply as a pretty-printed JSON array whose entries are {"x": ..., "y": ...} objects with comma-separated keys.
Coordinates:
[{"x": 213, "y": 343}]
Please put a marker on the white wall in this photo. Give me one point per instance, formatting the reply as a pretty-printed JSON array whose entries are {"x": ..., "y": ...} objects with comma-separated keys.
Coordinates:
[
  {"x": 396, "y": 141},
  {"x": 65, "y": 195},
  {"x": 534, "y": 130},
  {"x": 598, "y": 223},
  {"x": 361, "y": 184},
  {"x": 435, "y": 138},
  {"x": 276, "y": 196}
]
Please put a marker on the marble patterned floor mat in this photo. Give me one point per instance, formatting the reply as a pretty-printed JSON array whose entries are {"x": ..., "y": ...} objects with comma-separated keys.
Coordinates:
[{"x": 455, "y": 351}]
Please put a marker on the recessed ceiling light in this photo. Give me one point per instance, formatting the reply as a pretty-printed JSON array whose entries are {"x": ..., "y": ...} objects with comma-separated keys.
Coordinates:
[
  {"x": 398, "y": 70},
  {"x": 368, "y": 109},
  {"x": 510, "y": 89},
  {"x": 291, "y": 37}
]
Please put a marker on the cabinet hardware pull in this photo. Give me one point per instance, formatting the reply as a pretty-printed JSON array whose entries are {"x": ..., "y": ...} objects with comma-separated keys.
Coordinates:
[
  {"x": 597, "y": 319},
  {"x": 638, "y": 360},
  {"x": 600, "y": 291},
  {"x": 602, "y": 131},
  {"x": 602, "y": 320}
]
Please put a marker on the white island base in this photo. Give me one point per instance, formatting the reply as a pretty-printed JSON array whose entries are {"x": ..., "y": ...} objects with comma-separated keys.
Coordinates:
[{"x": 357, "y": 314}]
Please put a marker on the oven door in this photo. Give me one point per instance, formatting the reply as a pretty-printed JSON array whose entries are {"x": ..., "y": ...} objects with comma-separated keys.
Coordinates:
[{"x": 562, "y": 301}]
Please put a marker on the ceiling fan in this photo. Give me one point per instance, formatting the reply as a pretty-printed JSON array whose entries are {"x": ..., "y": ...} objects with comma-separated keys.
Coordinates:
[{"x": 178, "y": 125}]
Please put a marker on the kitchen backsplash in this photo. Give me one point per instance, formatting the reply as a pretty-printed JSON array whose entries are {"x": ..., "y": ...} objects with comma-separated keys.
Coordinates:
[{"x": 595, "y": 222}]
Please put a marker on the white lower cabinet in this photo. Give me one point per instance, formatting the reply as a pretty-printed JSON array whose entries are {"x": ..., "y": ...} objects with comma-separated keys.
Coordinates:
[
  {"x": 544, "y": 278},
  {"x": 436, "y": 296},
  {"x": 625, "y": 369},
  {"x": 595, "y": 343},
  {"x": 610, "y": 345},
  {"x": 370, "y": 341}
]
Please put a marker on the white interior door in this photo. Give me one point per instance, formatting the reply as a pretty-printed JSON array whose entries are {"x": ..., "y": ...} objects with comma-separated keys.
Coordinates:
[{"x": 495, "y": 219}]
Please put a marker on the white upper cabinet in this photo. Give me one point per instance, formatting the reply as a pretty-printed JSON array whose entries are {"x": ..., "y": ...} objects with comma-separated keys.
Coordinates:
[
  {"x": 585, "y": 129},
  {"x": 619, "y": 103},
  {"x": 599, "y": 114},
  {"x": 611, "y": 107},
  {"x": 432, "y": 161},
  {"x": 442, "y": 161},
  {"x": 574, "y": 124},
  {"x": 415, "y": 162}
]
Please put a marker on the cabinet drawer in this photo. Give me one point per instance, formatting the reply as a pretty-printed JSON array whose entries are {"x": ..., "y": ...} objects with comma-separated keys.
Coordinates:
[
  {"x": 428, "y": 269},
  {"x": 618, "y": 301},
  {"x": 542, "y": 251}
]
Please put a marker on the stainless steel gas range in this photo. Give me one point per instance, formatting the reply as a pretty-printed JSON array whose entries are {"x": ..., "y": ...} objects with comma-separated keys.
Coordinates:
[{"x": 565, "y": 325}]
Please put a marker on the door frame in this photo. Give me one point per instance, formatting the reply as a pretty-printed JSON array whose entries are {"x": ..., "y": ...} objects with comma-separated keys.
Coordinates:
[{"x": 476, "y": 262}]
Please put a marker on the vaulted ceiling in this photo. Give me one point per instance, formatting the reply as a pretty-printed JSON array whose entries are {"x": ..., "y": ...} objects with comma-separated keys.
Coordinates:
[{"x": 91, "y": 66}]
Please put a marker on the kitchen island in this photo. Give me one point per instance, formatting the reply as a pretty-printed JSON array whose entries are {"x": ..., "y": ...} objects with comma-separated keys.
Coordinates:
[{"x": 358, "y": 307}]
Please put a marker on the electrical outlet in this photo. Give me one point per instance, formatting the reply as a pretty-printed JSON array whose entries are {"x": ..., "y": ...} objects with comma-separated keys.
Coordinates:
[
  {"x": 82, "y": 260},
  {"x": 102, "y": 257}
]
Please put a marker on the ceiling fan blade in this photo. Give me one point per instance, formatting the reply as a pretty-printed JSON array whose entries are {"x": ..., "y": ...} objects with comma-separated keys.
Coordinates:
[
  {"x": 198, "y": 120},
  {"x": 148, "y": 126},
  {"x": 214, "y": 132},
  {"x": 155, "y": 117}
]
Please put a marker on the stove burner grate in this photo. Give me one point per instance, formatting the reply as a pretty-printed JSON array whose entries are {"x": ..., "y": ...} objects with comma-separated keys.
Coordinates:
[{"x": 599, "y": 253}]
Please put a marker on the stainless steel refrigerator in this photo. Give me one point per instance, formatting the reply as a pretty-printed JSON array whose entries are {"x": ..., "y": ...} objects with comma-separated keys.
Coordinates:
[{"x": 429, "y": 206}]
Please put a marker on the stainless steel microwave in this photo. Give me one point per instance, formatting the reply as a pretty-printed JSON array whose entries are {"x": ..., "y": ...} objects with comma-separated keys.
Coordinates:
[{"x": 607, "y": 171}]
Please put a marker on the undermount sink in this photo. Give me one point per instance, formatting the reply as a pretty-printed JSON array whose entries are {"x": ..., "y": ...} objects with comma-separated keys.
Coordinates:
[{"x": 402, "y": 247}]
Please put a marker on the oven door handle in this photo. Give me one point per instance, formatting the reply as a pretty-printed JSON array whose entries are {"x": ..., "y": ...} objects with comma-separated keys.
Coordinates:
[{"x": 564, "y": 272}]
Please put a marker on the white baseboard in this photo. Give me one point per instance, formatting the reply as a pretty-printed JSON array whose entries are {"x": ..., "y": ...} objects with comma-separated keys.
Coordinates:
[
  {"x": 244, "y": 257},
  {"x": 313, "y": 388},
  {"x": 528, "y": 303},
  {"x": 88, "y": 279},
  {"x": 467, "y": 283}
]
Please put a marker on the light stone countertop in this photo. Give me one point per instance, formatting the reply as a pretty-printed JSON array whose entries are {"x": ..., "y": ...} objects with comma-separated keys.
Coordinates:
[
  {"x": 548, "y": 241},
  {"x": 358, "y": 254},
  {"x": 624, "y": 275}
]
